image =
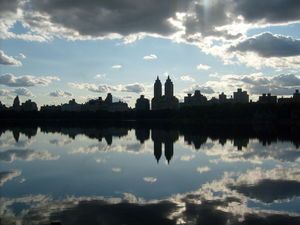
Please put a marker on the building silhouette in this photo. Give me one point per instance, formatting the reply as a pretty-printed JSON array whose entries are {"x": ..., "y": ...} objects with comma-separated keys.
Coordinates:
[
  {"x": 296, "y": 96},
  {"x": 29, "y": 106},
  {"x": 72, "y": 106},
  {"x": 240, "y": 96},
  {"x": 167, "y": 101},
  {"x": 267, "y": 99},
  {"x": 94, "y": 105},
  {"x": 142, "y": 104},
  {"x": 164, "y": 137},
  {"x": 223, "y": 98},
  {"x": 16, "y": 104},
  {"x": 142, "y": 134},
  {"x": 195, "y": 100},
  {"x": 2, "y": 107}
]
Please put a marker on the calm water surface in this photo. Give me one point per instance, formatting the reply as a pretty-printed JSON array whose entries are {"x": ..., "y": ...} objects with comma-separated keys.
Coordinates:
[{"x": 119, "y": 175}]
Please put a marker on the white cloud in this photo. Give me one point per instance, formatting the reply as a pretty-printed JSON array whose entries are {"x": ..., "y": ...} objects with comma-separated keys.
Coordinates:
[
  {"x": 22, "y": 56},
  {"x": 100, "y": 160},
  {"x": 60, "y": 94},
  {"x": 150, "y": 57},
  {"x": 100, "y": 76},
  {"x": 203, "y": 169},
  {"x": 257, "y": 83},
  {"x": 8, "y": 175},
  {"x": 204, "y": 89},
  {"x": 104, "y": 88},
  {"x": 213, "y": 26},
  {"x": 8, "y": 60},
  {"x": 4, "y": 92},
  {"x": 26, "y": 155},
  {"x": 150, "y": 179},
  {"x": 23, "y": 92},
  {"x": 203, "y": 67},
  {"x": 187, "y": 157},
  {"x": 135, "y": 88},
  {"x": 117, "y": 67},
  {"x": 26, "y": 81},
  {"x": 116, "y": 169},
  {"x": 187, "y": 78}
]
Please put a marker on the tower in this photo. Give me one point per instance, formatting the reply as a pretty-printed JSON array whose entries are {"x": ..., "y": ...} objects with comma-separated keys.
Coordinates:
[
  {"x": 169, "y": 89},
  {"x": 157, "y": 88},
  {"x": 16, "y": 104}
]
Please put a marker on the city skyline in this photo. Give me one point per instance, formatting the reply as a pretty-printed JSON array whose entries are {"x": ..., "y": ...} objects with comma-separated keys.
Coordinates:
[
  {"x": 213, "y": 46},
  {"x": 150, "y": 112},
  {"x": 163, "y": 98}
]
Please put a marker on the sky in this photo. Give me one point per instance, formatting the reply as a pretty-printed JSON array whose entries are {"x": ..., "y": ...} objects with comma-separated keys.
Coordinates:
[{"x": 54, "y": 50}]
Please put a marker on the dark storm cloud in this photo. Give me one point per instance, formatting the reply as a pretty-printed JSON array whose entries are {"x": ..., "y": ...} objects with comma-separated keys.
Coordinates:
[
  {"x": 204, "y": 17},
  {"x": 92, "y": 18},
  {"x": 166, "y": 212},
  {"x": 99, "y": 18},
  {"x": 270, "y": 11},
  {"x": 281, "y": 189},
  {"x": 8, "y": 6},
  {"x": 269, "y": 45},
  {"x": 100, "y": 212}
]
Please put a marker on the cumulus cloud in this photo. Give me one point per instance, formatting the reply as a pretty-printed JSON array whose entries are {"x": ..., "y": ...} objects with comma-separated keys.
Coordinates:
[
  {"x": 268, "y": 12},
  {"x": 203, "y": 67},
  {"x": 203, "y": 169},
  {"x": 8, "y": 175},
  {"x": 26, "y": 155},
  {"x": 187, "y": 78},
  {"x": 23, "y": 92},
  {"x": 18, "y": 91},
  {"x": 136, "y": 88},
  {"x": 213, "y": 203},
  {"x": 60, "y": 94},
  {"x": 8, "y": 60},
  {"x": 150, "y": 57},
  {"x": 4, "y": 92},
  {"x": 212, "y": 26},
  {"x": 203, "y": 89},
  {"x": 60, "y": 142},
  {"x": 269, "y": 45},
  {"x": 117, "y": 67},
  {"x": 256, "y": 184},
  {"x": 104, "y": 88},
  {"x": 11, "y": 80},
  {"x": 257, "y": 83}
]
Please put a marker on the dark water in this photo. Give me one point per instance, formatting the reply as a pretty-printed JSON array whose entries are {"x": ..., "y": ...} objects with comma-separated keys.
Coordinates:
[{"x": 121, "y": 175}]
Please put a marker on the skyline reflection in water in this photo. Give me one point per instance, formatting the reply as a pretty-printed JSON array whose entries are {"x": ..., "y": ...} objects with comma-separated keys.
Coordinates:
[{"x": 149, "y": 175}]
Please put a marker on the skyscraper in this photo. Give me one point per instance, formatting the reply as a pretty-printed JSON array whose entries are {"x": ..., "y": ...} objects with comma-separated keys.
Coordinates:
[
  {"x": 169, "y": 88},
  {"x": 157, "y": 88},
  {"x": 167, "y": 101}
]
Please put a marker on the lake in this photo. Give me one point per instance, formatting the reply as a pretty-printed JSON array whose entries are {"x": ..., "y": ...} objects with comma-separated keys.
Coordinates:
[{"x": 149, "y": 175}]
